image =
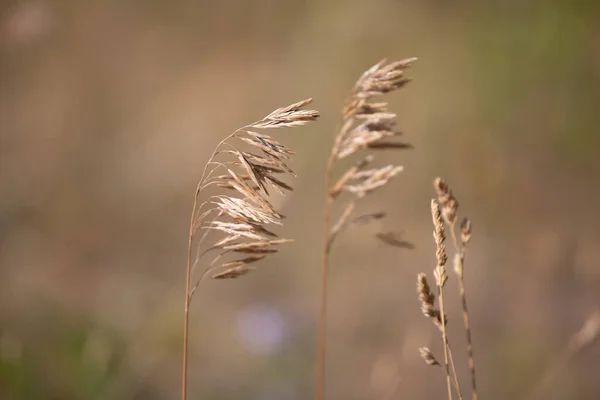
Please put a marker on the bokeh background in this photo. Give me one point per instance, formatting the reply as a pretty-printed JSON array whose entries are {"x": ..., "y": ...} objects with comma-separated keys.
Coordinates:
[{"x": 109, "y": 110}]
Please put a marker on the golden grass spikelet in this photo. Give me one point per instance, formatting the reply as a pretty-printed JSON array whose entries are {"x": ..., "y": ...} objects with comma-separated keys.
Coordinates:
[
  {"x": 374, "y": 123},
  {"x": 428, "y": 356},
  {"x": 424, "y": 290},
  {"x": 242, "y": 210},
  {"x": 447, "y": 201},
  {"x": 373, "y": 179},
  {"x": 286, "y": 117},
  {"x": 439, "y": 237},
  {"x": 427, "y": 299},
  {"x": 363, "y": 219},
  {"x": 393, "y": 239},
  {"x": 348, "y": 175},
  {"x": 255, "y": 246},
  {"x": 243, "y": 261},
  {"x": 465, "y": 231},
  {"x": 233, "y": 272}
]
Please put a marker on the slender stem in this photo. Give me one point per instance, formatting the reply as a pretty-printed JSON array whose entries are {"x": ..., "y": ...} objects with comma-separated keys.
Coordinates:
[
  {"x": 188, "y": 272},
  {"x": 465, "y": 311},
  {"x": 205, "y": 181},
  {"x": 186, "y": 318},
  {"x": 454, "y": 374},
  {"x": 453, "y": 384},
  {"x": 322, "y": 331},
  {"x": 445, "y": 340}
]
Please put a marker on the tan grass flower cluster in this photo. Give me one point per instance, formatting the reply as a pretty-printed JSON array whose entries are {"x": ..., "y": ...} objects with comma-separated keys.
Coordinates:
[
  {"x": 427, "y": 299},
  {"x": 250, "y": 175},
  {"x": 446, "y": 199},
  {"x": 428, "y": 356},
  {"x": 439, "y": 237},
  {"x": 365, "y": 124},
  {"x": 242, "y": 216},
  {"x": 370, "y": 125}
]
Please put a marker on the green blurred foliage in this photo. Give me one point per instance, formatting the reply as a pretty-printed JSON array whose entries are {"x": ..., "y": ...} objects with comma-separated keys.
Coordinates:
[{"x": 63, "y": 357}]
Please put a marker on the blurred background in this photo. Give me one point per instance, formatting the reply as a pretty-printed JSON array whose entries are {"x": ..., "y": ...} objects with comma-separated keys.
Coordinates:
[{"x": 109, "y": 110}]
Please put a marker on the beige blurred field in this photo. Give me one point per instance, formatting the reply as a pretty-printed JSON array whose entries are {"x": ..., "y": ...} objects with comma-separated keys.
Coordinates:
[{"x": 109, "y": 110}]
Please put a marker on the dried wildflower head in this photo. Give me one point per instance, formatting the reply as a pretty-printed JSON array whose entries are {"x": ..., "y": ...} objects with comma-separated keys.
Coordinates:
[{"x": 242, "y": 216}]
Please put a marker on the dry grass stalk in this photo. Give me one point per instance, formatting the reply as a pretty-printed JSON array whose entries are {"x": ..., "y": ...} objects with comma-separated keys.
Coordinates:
[
  {"x": 440, "y": 279},
  {"x": 427, "y": 299},
  {"x": 449, "y": 206},
  {"x": 364, "y": 125},
  {"x": 242, "y": 220}
]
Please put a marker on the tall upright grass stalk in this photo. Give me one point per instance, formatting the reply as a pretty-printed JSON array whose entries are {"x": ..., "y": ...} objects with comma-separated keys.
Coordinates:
[
  {"x": 364, "y": 125},
  {"x": 427, "y": 300},
  {"x": 449, "y": 206},
  {"x": 445, "y": 207},
  {"x": 440, "y": 279},
  {"x": 240, "y": 220}
]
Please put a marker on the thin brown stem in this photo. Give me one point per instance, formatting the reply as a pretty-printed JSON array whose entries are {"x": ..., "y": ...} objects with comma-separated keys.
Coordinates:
[
  {"x": 465, "y": 313},
  {"x": 444, "y": 340},
  {"x": 456, "y": 383},
  {"x": 188, "y": 272},
  {"x": 186, "y": 318},
  {"x": 243, "y": 217},
  {"x": 460, "y": 250},
  {"x": 326, "y": 251}
]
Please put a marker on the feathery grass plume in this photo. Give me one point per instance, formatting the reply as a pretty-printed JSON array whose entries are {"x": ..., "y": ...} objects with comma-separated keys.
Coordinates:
[
  {"x": 241, "y": 215},
  {"x": 364, "y": 125},
  {"x": 449, "y": 207}
]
